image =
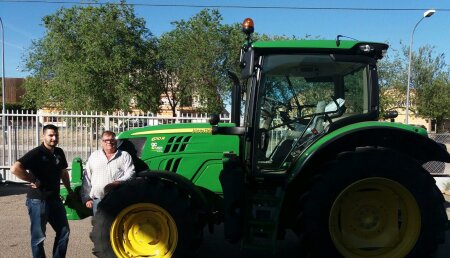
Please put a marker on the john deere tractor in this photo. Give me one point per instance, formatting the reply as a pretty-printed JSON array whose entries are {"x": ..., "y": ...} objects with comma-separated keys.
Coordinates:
[{"x": 309, "y": 156}]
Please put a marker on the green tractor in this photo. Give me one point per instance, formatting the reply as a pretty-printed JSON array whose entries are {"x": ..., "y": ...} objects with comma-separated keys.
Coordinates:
[{"x": 309, "y": 156}]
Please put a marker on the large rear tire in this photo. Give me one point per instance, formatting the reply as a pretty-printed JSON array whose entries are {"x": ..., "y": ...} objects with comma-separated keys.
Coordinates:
[
  {"x": 373, "y": 203},
  {"x": 146, "y": 218}
]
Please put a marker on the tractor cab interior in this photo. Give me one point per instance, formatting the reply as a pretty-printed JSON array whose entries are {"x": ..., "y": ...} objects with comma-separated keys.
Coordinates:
[{"x": 300, "y": 97}]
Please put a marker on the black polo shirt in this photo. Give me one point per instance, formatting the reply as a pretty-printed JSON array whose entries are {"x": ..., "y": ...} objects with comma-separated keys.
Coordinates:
[{"x": 47, "y": 168}]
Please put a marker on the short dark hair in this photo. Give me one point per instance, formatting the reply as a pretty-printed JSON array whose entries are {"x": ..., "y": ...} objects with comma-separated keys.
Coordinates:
[
  {"x": 113, "y": 134},
  {"x": 49, "y": 127}
]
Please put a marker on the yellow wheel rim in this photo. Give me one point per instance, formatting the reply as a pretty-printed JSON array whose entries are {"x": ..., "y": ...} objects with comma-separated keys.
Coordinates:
[
  {"x": 144, "y": 229},
  {"x": 375, "y": 217}
]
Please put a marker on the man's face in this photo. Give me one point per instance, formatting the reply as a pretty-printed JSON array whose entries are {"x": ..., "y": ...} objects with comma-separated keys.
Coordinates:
[
  {"x": 50, "y": 138},
  {"x": 109, "y": 143}
]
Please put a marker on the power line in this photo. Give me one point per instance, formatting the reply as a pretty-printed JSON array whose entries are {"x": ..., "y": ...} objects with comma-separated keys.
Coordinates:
[{"x": 229, "y": 6}]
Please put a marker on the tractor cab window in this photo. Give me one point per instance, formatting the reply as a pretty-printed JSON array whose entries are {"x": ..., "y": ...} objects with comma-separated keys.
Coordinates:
[{"x": 299, "y": 97}]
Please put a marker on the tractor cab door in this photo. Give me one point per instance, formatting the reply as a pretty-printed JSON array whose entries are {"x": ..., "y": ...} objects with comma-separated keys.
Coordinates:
[{"x": 297, "y": 98}]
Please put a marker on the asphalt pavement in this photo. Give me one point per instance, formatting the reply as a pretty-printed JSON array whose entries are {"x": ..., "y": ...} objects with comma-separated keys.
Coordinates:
[{"x": 14, "y": 225}]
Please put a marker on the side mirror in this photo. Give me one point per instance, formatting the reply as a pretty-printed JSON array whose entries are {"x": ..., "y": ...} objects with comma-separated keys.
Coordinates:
[
  {"x": 247, "y": 62},
  {"x": 235, "y": 99}
]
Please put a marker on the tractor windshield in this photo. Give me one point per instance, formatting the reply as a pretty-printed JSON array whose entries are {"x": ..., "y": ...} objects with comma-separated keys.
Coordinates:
[{"x": 300, "y": 96}]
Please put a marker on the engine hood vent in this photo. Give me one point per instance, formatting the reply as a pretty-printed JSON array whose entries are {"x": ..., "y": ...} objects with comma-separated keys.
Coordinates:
[{"x": 177, "y": 144}]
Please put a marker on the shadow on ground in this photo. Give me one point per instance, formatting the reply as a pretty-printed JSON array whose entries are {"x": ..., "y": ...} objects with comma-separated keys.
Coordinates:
[{"x": 11, "y": 188}]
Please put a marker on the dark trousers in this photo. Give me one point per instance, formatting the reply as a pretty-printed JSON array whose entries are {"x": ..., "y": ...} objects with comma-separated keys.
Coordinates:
[{"x": 53, "y": 212}]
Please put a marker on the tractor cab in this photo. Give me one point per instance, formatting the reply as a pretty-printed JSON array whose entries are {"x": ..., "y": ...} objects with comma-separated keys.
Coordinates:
[{"x": 301, "y": 90}]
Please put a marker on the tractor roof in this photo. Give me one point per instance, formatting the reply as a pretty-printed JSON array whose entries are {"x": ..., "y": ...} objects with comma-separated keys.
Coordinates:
[{"x": 341, "y": 46}]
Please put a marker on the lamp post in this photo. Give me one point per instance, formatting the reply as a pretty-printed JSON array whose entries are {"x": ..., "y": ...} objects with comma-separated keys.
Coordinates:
[
  {"x": 3, "y": 72},
  {"x": 3, "y": 88},
  {"x": 426, "y": 14}
]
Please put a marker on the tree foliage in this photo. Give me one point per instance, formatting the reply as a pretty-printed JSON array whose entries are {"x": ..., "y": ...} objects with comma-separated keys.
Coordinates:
[
  {"x": 93, "y": 58},
  {"x": 429, "y": 82},
  {"x": 434, "y": 99},
  {"x": 194, "y": 58},
  {"x": 392, "y": 75},
  {"x": 103, "y": 57}
]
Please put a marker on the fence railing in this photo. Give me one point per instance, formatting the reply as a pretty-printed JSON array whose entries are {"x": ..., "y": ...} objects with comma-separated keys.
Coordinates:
[{"x": 78, "y": 132}]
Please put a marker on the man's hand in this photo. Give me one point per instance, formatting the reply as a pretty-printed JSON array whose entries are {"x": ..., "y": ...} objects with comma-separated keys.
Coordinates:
[
  {"x": 90, "y": 204},
  {"x": 35, "y": 184},
  {"x": 109, "y": 187}
]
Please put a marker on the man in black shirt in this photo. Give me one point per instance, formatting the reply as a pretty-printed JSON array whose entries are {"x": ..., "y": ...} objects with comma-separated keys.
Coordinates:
[{"x": 46, "y": 165}]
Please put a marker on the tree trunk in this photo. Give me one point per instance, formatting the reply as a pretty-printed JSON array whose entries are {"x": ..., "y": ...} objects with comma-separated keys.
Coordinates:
[{"x": 440, "y": 125}]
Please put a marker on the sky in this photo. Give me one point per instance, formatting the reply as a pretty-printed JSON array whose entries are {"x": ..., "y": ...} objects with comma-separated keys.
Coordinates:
[{"x": 390, "y": 21}]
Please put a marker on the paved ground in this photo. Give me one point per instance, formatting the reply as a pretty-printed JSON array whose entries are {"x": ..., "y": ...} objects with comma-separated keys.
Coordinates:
[{"x": 14, "y": 225}]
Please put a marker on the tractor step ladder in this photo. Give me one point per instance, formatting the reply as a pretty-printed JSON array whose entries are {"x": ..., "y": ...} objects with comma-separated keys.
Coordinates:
[{"x": 261, "y": 227}]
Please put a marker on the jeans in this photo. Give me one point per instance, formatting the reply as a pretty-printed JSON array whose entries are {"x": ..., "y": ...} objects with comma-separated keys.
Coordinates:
[{"x": 53, "y": 212}]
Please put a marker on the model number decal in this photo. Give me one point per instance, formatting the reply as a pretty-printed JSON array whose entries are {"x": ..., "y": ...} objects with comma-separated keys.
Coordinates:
[
  {"x": 158, "y": 138},
  {"x": 154, "y": 143}
]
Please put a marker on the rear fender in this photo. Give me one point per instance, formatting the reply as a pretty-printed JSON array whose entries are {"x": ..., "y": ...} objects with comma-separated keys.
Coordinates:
[{"x": 418, "y": 147}]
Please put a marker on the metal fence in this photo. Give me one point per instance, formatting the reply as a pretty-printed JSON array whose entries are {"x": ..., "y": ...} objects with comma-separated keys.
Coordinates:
[
  {"x": 78, "y": 132},
  {"x": 439, "y": 168}
]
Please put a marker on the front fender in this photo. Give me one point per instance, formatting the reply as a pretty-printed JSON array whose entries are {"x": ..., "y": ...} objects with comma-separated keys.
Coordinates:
[
  {"x": 75, "y": 208},
  {"x": 183, "y": 183}
]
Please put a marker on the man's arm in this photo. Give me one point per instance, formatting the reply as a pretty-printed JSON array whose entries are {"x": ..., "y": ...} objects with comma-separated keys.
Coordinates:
[
  {"x": 129, "y": 172},
  {"x": 19, "y": 171},
  {"x": 65, "y": 178},
  {"x": 87, "y": 186},
  {"x": 128, "y": 168}
]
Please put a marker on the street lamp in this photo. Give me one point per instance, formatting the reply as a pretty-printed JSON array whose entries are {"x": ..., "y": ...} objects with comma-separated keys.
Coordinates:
[
  {"x": 3, "y": 88},
  {"x": 426, "y": 14},
  {"x": 3, "y": 73}
]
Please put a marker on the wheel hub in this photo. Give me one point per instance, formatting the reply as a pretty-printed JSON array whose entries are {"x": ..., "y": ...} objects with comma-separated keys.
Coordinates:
[
  {"x": 144, "y": 229},
  {"x": 375, "y": 217},
  {"x": 367, "y": 218}
]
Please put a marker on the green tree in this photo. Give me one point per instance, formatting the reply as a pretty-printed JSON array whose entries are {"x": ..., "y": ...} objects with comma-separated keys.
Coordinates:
[
  {"x": 430, "y": 85},
  {"x": 194, "y": 59},
  {"x": 428, "y": 82},
  {"x": 434, "y": 100},
  {"x": 93, "y": 58},
  {"x": 392, "y": 74}
]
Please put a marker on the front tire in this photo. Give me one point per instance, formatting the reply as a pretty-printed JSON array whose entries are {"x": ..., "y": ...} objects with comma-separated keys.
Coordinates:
[
  {"x": 146, "y": 218},
  {"x": 373, "y": 203}
]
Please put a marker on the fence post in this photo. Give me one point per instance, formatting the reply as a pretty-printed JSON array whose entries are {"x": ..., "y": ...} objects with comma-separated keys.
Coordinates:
[
  {"x": 178, "y": 115},
  {"x": 10, "y": 145},
  {"x": 107, "y": 122},
  {"x": 38, "y": 118},
  {"x": 3, "y": 136}
]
